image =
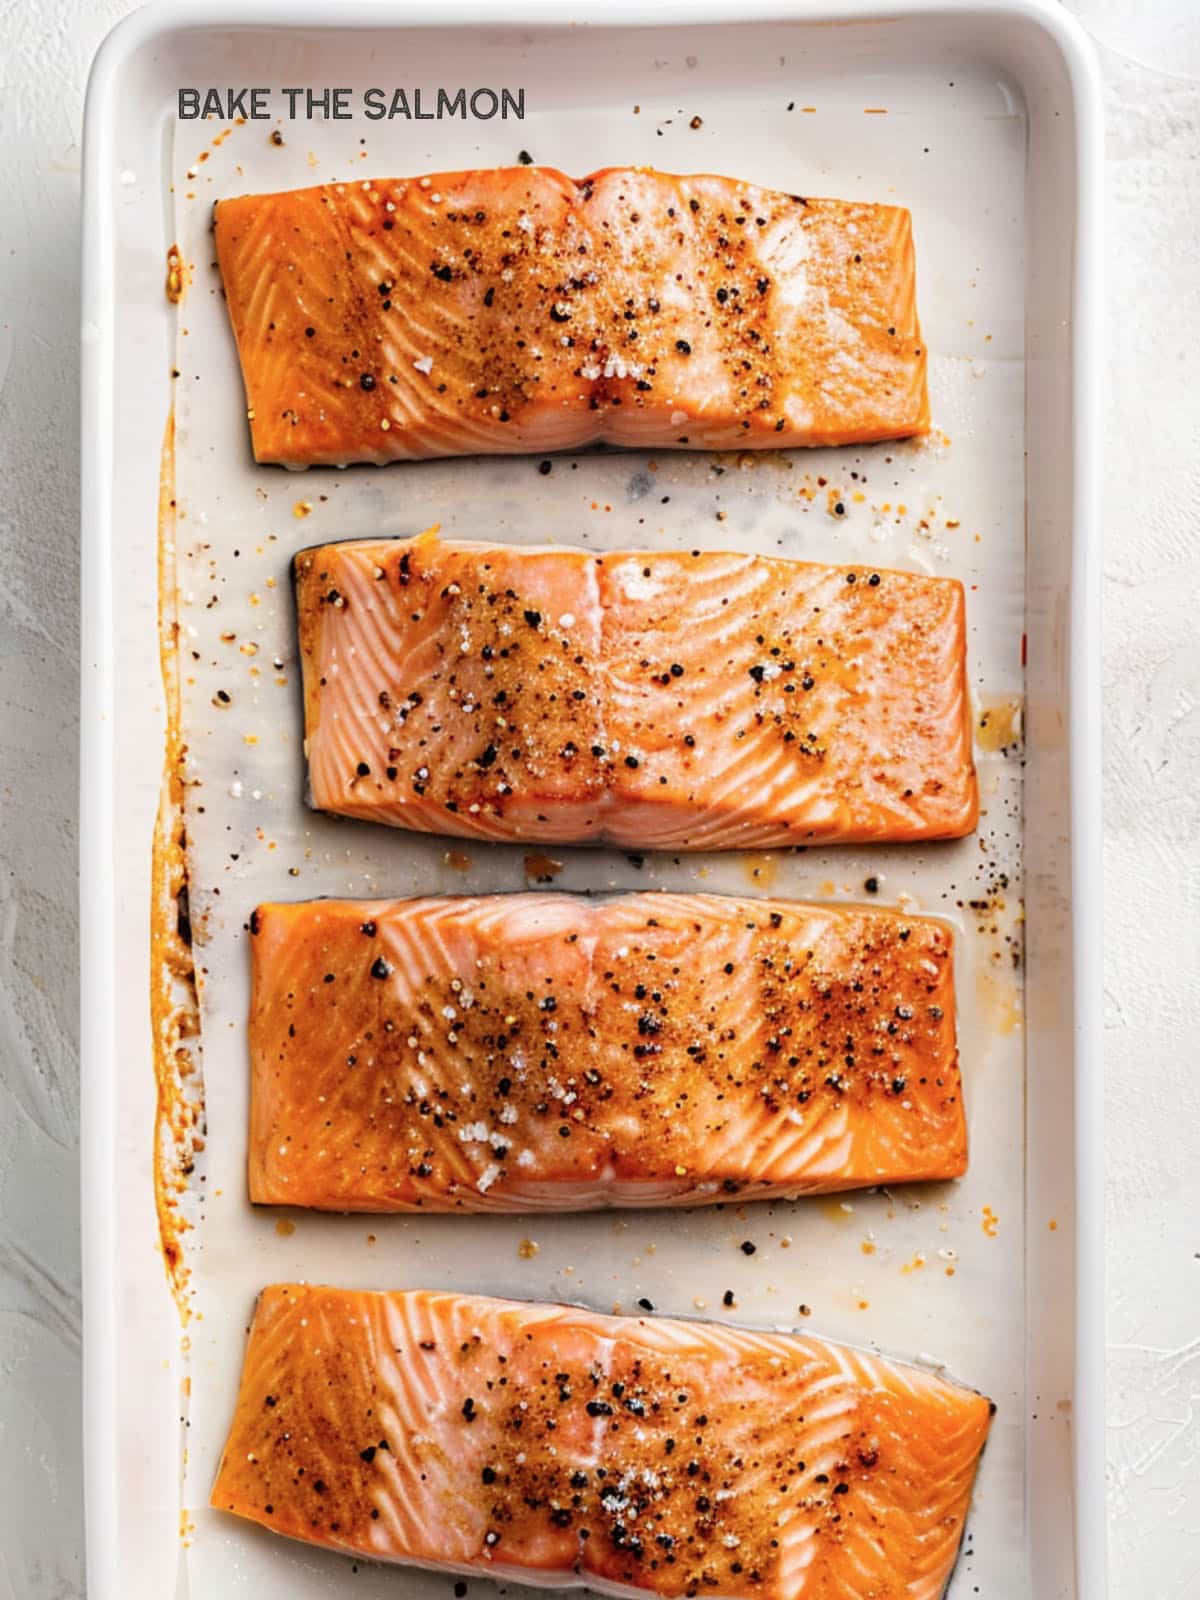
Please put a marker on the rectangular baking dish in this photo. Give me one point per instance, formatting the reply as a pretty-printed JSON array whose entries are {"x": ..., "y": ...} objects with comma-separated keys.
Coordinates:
[{"x": 984, "y": 119}]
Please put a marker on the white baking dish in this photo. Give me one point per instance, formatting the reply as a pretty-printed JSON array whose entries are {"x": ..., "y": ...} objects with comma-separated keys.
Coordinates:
[{"x": 984, "y": 119}]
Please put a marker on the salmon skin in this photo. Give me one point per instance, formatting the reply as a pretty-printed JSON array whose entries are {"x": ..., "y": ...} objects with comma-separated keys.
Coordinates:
[
  {"x": 551, "y": 1445},
  {"x": 546, "y": 1052},
  {"x": 512, "y": 309},
  {"x": 671, "y": 701}
]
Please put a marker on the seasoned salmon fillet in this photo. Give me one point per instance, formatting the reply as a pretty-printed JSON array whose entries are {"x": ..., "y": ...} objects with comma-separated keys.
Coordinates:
[
  {"x": 513, "y": 309},
  {"x": 547, "y": 1444},
  {"x": 678, "y": 701},
  {"x": 548, "y": 1052}
]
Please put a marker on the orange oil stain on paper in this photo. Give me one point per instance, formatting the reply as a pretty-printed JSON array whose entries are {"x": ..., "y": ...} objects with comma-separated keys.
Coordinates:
[
  {"x": 542, "y": 869},
  {"x": 761, "y": 869},
  {"x": 174, "y": 999},
  {"x": 999, "y": 724},
  {"x": 990, "y": 1223},
  {"x": 177, "y": 276},
  {"x": 998, "y": 992}
]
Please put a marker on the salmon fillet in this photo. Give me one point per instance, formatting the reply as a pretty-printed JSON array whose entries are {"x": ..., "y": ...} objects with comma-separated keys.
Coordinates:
[
  {"x": 542, "y": 1051},
  {"x": 551, "y": 1445},
  {"x": 513, "y": 309},
  {"x": 668, "y": 701}
]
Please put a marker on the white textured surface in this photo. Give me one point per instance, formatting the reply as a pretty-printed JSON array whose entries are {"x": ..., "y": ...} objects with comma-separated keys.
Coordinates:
[{"x": 1150, "y": 54}]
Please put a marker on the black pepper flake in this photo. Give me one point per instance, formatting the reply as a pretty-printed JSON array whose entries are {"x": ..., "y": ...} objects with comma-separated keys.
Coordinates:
[
  {"x": 545, "y": 468},
  {"x": 380, "y": 968},
  {"x": 631, "y": 761},
  {"x": 363, "y": 770},
  {"x": 368, "y": 1454},
  {"x": 310, "y": 333},
  {"x": 682, "y": 345},
  {"x": 871, "y": 885},
  {"x": 460, "y": 1589},
  {"x": 598, "y": 1408},
  {"x": 873, "y": 580},
  {"x": 368, "y": 928},
  {"x": 525, "y": 158},
  {"x": 534, "y": 618},
  {"x": 748, "y": 1247},
  {"x": 366, "y": 381},
  {"x": 488, "y": 1474},
  {"x": 646, "y": 1305},
  {"x": 468, "y": 1409}
]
